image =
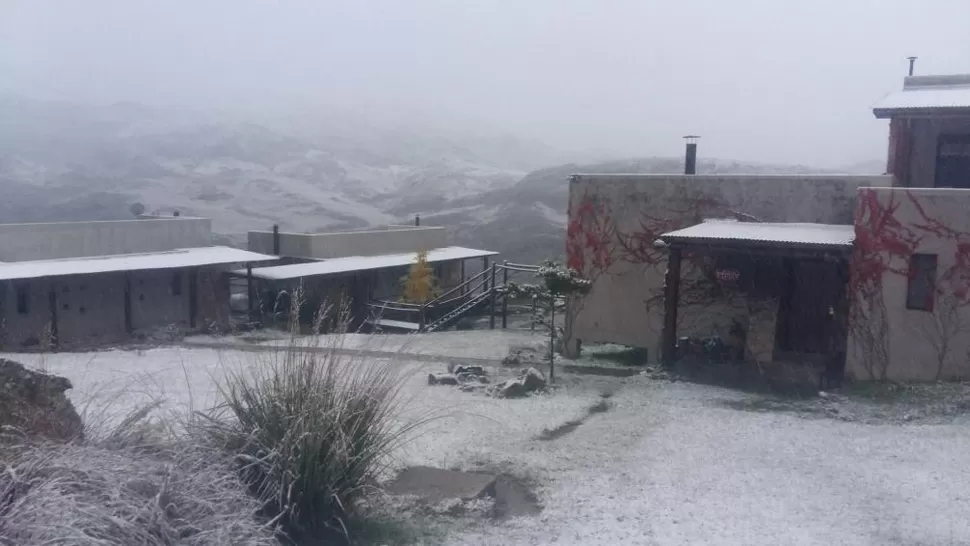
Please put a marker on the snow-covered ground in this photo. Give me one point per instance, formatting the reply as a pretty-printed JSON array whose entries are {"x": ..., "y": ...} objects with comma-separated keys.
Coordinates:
[{"x": 668, "y": 464}]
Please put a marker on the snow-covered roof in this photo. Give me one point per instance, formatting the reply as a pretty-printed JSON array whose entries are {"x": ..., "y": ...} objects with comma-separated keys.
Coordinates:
[
  {"x": 923, "y": 94},
  {"x": 170, "y": 259},
  {"x": 362, "y": 263},
  {"x": 777, "y": 234}
]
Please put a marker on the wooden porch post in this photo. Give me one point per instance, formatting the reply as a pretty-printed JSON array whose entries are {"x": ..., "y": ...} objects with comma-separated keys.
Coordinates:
[
  {"x": 491, "y": 296},
  {"x": 485, "y": 268},
  {"x": 671, "y": 297},
  {"x": 505, "y": 296},
  {"x": 462, "y": 282}
]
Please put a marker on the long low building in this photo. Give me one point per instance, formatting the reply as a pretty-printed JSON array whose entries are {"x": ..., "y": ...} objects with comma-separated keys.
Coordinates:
[
  {"x": 362, "y": 269},
  {"x": 79, "y": 284}
]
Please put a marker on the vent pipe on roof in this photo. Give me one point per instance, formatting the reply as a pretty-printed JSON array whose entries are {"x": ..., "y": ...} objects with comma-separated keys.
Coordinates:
[
  {"x": 417, "y": 219},
  {"x": 276, "y": 239},
  {"x": 912, "y": 63},
  {"x": 690, "y": 158}
]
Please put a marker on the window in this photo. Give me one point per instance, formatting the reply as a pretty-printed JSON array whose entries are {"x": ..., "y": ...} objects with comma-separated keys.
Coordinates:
[
  {"x": 23, "y": 300},
  {"x": 176, "y": 284},
  {"x": 922, "y": 282}
]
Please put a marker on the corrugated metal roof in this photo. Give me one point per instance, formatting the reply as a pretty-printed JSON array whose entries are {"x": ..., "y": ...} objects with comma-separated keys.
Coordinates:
[
  {"x": 777, "y": 234},
  {"x": 923, "y": 93},
  {"x": 361, "y": 263},
  {"x": 183, "y": 257}
]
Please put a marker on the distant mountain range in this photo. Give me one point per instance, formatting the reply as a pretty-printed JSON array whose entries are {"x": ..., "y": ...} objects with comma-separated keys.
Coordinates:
[{"x": 63, "y": 161}]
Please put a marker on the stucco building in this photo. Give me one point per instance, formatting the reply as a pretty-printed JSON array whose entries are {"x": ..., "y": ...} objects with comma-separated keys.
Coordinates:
[
  {"x": 360, "y": 269},
  {"x": 862, "y": 275},
  {"x": 78, "y": 284}
]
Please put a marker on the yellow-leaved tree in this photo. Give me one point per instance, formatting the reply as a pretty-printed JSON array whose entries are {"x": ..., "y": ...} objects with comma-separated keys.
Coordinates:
[{"x": 420, "y": 284}]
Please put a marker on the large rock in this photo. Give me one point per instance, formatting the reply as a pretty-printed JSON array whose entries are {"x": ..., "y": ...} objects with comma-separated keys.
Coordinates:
[
  {"x": 34, "y": 403},
  {"x": 530, "y": 381},
  {"x": 442, "y": 379},
  {"x": 533, "y": 380}
]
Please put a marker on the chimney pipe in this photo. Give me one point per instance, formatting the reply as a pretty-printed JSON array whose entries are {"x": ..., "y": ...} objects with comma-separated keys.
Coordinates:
[
  {"x": 690, "y": 157},
  {"x": 417, "y": 219},
  {"x": 276, "y": 239},
  {"x": 912, "y": 63},
  {"x": 176, "y": 213}
]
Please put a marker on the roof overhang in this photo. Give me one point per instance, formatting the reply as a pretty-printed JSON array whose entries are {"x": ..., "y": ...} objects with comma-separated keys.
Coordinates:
[
  {"x": 936, "y": 96},
  {"x": 766, "y": 238},
  {"x": 351, "y": 264},
  {"x": 171, "y": 259}
]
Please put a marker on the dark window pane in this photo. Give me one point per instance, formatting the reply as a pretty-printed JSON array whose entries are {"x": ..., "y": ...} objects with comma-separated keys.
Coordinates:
[
  {"x": 176, "y": 284},
  {"x": 922, "y": 282},
  {"x": 23, "y": 299}
]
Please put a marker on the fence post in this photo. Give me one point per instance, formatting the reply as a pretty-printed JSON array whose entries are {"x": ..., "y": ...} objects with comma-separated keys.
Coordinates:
[
  {"x": 505, "y": 294},
  {"x": 491, "y": 298},
  {"x": 535, "y": 311}
]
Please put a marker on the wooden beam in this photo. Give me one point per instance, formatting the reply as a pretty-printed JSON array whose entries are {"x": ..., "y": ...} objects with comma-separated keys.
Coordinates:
[
  {"x": 491, "y": 302},
  {"x": 671, "y": 299},
  {"x": 505, "y": 296}
]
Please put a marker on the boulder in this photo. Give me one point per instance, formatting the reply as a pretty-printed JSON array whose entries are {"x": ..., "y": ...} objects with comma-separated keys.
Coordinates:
[
  {"x": 466, "y": 377},
  {"x": 34, "y": 403},
  {"x": 533, "y": 380},
  {"x": 513, "y": 388},
  {"x": 442, "y": 379},
  {"x": 470, "y": 370},
  {"x": 512, "y": 360}
]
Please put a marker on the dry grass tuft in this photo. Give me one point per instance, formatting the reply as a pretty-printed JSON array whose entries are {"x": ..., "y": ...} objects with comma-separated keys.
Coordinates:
[
  {"x": 125, "y": 489},
  {"x": 311, "y": 428}
]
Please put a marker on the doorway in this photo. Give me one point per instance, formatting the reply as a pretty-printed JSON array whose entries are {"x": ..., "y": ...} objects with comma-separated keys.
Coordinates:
[{"x": 813, "y": 308}]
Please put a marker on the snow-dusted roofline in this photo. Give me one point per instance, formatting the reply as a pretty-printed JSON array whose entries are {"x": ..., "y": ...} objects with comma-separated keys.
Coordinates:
[
  {"x": 171, "y": 259},
  {"x": 774, "y": 234},
  {"x": 349, "y": 264}
]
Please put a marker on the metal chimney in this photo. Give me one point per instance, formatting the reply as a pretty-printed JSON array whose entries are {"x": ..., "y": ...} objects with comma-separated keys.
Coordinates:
[
  {"x": 690, "y": 158},
  {"x": 912, "y": 63},
  {"x": 417, "y": 219},
  {"x": 276, "y": 239}
]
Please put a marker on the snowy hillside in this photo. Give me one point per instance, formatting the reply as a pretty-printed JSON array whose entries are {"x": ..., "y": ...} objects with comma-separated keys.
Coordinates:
[{"x": 61, "y": 161}]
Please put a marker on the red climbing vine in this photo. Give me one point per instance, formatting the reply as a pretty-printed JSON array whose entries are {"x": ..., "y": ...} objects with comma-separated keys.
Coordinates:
[{"x": 883, "y": 246}]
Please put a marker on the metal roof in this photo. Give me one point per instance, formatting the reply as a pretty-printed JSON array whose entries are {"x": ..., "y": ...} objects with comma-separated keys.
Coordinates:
[
  {"x": 349, "y": 264},
  {"x": 170, "y": 259},
  {"x": 790, "y": 235},
  {"x": 924, "y": 94}
]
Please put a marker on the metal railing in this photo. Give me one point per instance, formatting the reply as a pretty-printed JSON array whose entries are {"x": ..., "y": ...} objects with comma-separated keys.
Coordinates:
[{"x": 484, "y": 283}]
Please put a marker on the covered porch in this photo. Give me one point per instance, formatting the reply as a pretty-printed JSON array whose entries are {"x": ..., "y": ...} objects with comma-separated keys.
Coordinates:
[
  {"x": 370, "y": 285},
  {"x": 763, "y": 292}
]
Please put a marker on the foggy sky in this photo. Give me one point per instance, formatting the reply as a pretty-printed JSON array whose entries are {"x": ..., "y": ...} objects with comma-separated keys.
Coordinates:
[{"x": 763, "y": 80}]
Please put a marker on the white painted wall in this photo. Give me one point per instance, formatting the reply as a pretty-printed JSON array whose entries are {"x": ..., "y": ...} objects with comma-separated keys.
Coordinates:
[
  {"x": 20, "y": 242},
  {"x": 392, "y": 240}
]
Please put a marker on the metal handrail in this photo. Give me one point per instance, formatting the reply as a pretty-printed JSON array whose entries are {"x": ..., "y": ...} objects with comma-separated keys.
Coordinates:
[{"x": 457, "y": 288}]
